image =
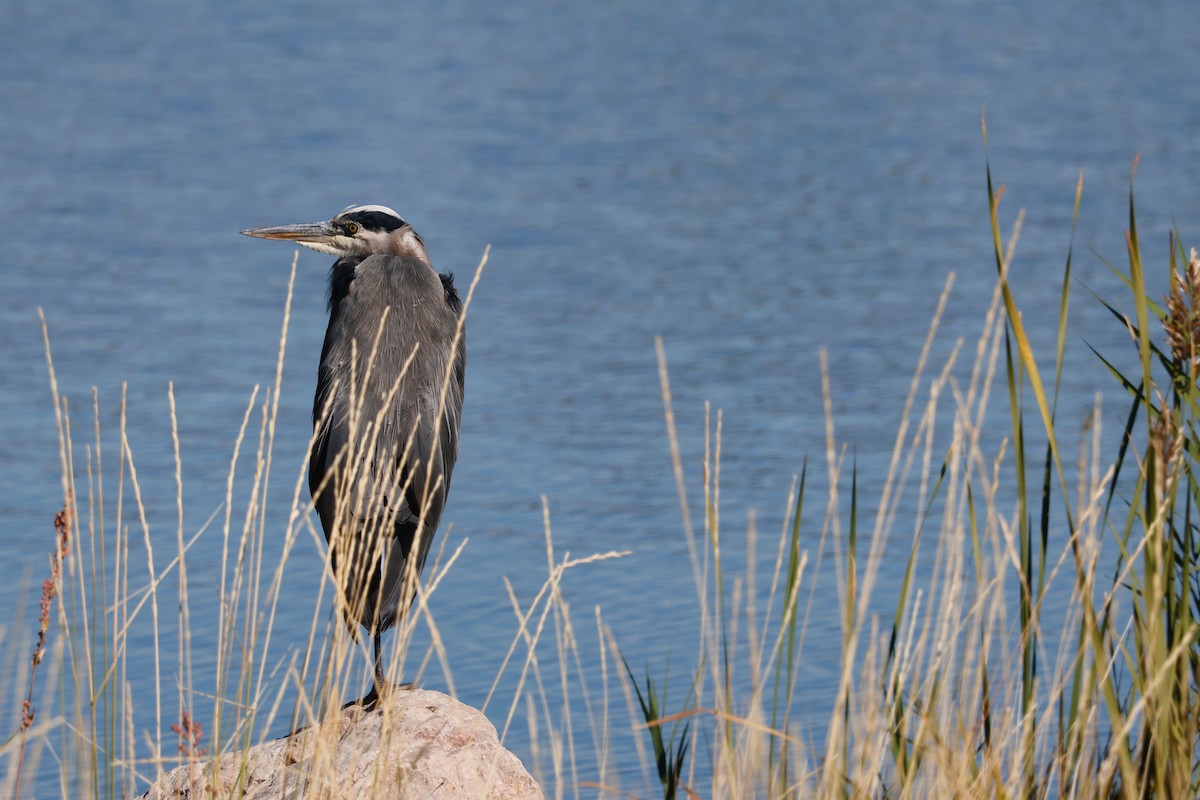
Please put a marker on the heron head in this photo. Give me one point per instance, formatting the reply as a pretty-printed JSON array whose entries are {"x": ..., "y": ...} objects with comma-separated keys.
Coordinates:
[{"x": 355, "y": 231}]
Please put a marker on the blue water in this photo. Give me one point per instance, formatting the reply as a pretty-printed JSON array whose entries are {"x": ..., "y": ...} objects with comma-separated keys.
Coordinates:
[{"x": 750, "y": 182}]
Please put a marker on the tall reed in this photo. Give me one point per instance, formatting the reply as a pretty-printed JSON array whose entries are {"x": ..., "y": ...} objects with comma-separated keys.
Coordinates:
[{"x": 973, "y": 687}]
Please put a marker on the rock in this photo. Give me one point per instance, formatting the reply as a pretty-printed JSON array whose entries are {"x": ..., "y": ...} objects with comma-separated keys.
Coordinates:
[{"x": 417, "y": 745}]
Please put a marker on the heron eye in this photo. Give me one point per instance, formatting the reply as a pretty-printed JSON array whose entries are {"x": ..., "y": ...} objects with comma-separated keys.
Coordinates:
[{"x": 351, "y": 228}]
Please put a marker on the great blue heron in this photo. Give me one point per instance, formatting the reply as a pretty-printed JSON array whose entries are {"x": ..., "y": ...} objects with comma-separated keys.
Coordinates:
[{"x": 386, "y": 413}]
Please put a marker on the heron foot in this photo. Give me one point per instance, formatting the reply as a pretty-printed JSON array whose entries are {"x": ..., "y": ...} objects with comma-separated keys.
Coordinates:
[{"x": 370, "y": 701}]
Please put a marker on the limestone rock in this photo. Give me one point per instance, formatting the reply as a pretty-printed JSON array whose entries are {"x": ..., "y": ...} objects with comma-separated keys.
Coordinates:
[{"x": 417, "y": 745}]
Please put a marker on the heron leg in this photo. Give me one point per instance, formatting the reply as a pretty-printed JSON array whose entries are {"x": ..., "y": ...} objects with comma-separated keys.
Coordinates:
[
  {"x": 378, "y": 685},
  {"x": 378, "y": 688}
]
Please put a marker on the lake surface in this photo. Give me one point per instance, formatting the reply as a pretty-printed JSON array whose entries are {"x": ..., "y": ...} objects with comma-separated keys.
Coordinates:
[{"x": 752, "y": 182}]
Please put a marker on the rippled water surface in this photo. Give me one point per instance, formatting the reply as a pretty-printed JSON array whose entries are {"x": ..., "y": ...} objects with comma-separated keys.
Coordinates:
[{"x": 752, "y": 182}]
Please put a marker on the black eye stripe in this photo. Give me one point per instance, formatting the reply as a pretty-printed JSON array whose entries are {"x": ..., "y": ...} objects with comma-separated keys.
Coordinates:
[{"x": 374, "y": 220}]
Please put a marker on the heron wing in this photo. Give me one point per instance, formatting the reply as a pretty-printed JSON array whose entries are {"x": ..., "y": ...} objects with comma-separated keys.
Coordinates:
[
  {"x": 424, "y": 465},
  {"x": 384, "y": 433}
]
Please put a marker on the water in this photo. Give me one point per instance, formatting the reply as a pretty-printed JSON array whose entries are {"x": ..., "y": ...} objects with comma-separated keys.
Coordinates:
[{"x": 751, "y": 183}]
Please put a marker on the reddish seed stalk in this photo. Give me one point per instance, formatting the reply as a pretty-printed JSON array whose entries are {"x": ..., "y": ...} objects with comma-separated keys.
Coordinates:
[
  {"x": 50, "y": 590},
  {"x": 190, "y": 734}
]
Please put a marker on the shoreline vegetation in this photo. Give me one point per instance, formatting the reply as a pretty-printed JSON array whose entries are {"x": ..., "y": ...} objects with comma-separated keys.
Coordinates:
[{"x": 968, "y": 688}]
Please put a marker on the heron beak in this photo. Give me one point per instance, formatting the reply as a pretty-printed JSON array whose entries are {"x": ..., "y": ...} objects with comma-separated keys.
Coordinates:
[{"x": 303, "y": 233}]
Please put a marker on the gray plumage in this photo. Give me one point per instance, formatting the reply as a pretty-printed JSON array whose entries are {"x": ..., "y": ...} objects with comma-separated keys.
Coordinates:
[{"x": 386, "y": 411}]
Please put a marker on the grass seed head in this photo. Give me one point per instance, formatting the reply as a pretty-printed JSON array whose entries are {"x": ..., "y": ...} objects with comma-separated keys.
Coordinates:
[{"x": 1182, "y": 322}]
